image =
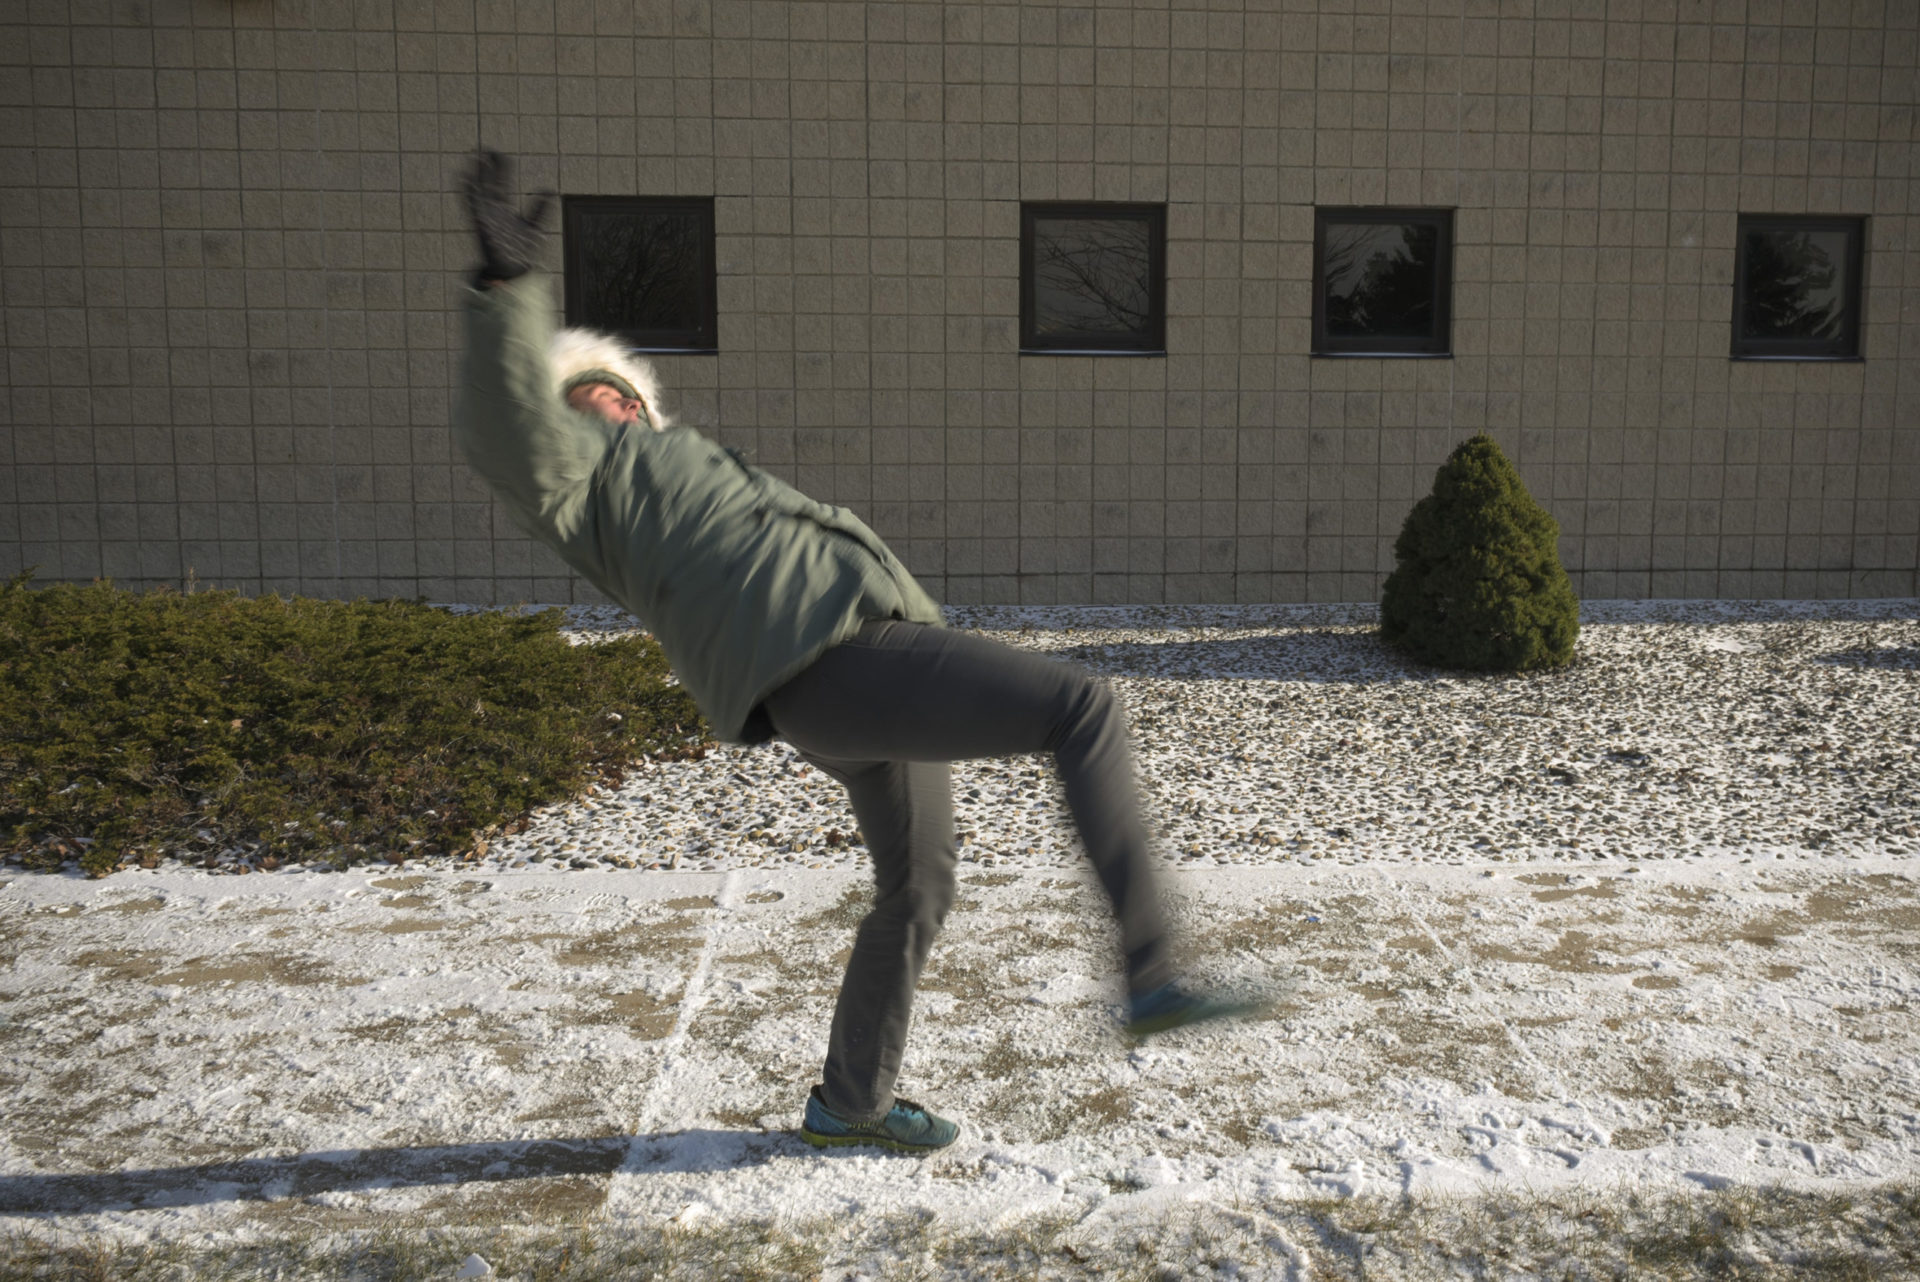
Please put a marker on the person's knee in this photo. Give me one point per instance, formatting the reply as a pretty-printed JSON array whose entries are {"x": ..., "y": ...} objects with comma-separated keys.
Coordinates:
[
  {"x": 920, "y": 904},
  {"x": 1089, "y": 708},
  {"x": 937, "y": 902},
  {"x": 1099, "y": 701}
]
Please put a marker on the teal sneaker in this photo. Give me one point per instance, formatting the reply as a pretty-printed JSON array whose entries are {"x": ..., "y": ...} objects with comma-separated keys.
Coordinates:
[
  {"x": 1171, "y": 1006},
  {"x": 907, "y": 1128}
]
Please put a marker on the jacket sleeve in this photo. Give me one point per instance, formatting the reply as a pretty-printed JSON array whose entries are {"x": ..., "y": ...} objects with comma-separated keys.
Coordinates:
[{"x": 536, "y": 452}]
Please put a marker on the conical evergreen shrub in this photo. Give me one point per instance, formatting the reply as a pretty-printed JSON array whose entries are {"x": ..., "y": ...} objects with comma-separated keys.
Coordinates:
[{"x": 1479, "y": 584}]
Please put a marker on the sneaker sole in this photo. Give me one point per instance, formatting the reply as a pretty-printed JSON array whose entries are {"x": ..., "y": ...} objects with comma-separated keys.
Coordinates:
[{"x": 818, "y": 1140}]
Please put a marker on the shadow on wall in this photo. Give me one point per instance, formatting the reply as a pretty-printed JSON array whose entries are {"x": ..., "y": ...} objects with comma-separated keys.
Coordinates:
[{"x": 270, "y": 1179}]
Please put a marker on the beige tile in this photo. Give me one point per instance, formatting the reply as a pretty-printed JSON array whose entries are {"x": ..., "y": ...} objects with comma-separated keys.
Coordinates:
[{"x": 869, "y": 166}]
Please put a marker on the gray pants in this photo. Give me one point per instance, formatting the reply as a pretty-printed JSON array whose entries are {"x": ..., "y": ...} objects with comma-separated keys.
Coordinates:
[{"x": 884, "y": 712}]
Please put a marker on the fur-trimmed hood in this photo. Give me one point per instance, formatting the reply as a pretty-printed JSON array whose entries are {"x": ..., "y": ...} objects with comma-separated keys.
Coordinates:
[{"x": 589, "y": 356}]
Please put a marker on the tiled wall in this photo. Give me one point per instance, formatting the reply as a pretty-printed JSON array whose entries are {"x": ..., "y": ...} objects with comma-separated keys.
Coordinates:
[{"x": 231, "y": 270}]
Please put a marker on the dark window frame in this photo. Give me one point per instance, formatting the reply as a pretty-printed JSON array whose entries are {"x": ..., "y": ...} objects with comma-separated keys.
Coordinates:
[
  {"x": 1440, "y": 345},
  {"x": 1154, "y": 341},
  {"x": 702, "y": 337},
  {"x": 1847, "y": 347}
]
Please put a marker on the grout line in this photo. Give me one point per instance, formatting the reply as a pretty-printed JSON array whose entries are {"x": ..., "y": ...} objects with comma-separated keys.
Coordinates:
[{"x": 326, "y": 310}]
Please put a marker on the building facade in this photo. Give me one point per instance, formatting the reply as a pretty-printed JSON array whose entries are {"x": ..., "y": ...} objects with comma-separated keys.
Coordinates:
[{"x": 232, "y": 262}]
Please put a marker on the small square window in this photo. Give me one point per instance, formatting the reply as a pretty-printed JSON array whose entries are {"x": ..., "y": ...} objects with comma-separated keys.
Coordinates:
[
  {"x": 642, "y": 267},
  {"x": 1093, "y": 278},
  {"x": 1382, "y": 282},
  {"x": 1796, "y": 288}
]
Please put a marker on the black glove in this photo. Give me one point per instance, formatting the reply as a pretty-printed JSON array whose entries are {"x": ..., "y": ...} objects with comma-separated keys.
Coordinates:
[{"x": 509, "y": 239}]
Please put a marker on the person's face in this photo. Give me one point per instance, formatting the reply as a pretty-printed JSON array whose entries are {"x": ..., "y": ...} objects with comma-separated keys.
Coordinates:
[{"x": 605, "y": 400}]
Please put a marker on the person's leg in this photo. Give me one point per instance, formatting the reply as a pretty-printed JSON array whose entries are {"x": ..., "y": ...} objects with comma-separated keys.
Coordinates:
[
  {"x": 906, "y": 812},
  {"x": 909, "y": 693}
]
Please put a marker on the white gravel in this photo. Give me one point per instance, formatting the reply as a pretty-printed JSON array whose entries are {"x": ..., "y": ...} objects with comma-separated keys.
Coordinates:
[{"x": 1276, "y": 733}]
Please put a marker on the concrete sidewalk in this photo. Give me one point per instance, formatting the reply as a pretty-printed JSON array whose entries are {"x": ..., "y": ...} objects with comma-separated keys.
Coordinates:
[{"x": 183, "y": 1051}]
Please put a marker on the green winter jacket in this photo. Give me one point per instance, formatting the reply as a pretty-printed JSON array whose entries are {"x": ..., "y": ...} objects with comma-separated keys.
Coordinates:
[{"x": 742, "y": 579}]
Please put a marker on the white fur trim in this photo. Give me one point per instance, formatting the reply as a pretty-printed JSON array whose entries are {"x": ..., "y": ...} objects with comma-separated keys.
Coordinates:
[{"x": 575, "y": 351}]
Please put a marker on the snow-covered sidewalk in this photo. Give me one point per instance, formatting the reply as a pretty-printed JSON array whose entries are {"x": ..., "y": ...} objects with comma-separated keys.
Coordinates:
[
  {"x": 1653, "y": 920},
  {"x": 189, "y": 1052}
]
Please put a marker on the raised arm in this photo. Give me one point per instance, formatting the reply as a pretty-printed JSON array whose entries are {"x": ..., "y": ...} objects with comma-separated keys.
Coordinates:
[{"x": 535, "y": 451}]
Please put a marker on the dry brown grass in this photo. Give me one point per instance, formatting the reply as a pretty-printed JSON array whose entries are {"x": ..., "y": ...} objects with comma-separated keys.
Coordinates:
[{"x": 1574, "y": 1235}]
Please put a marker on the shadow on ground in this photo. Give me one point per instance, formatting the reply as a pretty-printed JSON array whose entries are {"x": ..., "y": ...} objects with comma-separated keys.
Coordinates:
[
  {"x": 1902, "y": 656},
  {"x": 1344, "y": 658},
  {"x": 346, "y": 1170}
]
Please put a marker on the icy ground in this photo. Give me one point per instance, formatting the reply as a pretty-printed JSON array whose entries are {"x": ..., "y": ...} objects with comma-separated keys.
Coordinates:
[{"x": 1654, "y": 920}]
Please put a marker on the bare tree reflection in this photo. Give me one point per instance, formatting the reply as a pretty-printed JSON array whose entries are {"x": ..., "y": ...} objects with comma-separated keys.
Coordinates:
[
  {"x": 645, "y": 271},
  {"x": 1792, "y": 284},
  {"x": 1092, "y": 275}
]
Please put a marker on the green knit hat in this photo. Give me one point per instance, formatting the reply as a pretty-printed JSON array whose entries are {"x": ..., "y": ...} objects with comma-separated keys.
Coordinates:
[{"x": 607, "y": 376}]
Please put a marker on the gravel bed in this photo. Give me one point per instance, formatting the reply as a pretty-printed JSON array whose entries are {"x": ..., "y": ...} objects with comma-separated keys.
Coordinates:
[{"x": 1277, "y": 733}]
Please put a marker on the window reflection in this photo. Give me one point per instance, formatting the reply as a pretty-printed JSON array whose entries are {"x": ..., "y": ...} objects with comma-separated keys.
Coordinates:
[
  {"x": 642, "y": 270},
  {"x": 643, "y": 267},
  {"x": 1092, "y": 276},
  {"x": 1796, "y": 287},
  {"x": 1382, "y": 281},
  {"x": 1379, "y": 279},
  {"x": 1796, "y": 283}
]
